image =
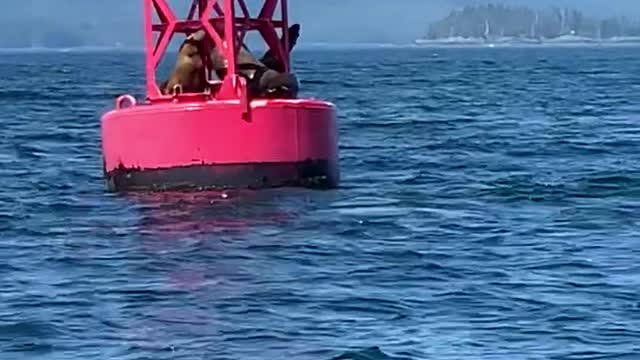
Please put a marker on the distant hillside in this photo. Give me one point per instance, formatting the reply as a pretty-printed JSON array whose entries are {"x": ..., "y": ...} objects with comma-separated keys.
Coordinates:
[
  {"x": 497, "y": 20},
  {"x": 48, "y": 33}
]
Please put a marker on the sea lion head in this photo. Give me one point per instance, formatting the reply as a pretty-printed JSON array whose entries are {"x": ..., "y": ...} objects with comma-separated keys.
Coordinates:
[
  {"x": 273, "y": 84},
  {"x": 192, "y": 50}
]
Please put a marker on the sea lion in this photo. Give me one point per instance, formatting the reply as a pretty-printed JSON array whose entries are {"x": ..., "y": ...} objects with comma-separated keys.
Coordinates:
[
  {"x": 263, "y": 80},
  {"x": 189, "y": 70},
  {"x": 268, "y": 83},
  {"x": 266, "y": 78},
  {"x": 270, "y": 60}
]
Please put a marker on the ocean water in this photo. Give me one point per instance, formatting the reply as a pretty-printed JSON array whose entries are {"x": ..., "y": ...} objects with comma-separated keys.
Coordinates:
[{"x": 489, "y": 209}]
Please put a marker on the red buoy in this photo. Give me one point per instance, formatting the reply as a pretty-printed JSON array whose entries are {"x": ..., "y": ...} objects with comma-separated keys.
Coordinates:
[{"x": 236, "y": 131}]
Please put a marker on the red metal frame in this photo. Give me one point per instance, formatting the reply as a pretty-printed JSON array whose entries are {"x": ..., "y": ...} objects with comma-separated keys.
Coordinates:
[{"x": 233, "y": 86}]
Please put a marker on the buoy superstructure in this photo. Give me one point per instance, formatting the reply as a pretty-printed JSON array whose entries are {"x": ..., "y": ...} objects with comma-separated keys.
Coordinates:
[{"x": 221, "y": 137}]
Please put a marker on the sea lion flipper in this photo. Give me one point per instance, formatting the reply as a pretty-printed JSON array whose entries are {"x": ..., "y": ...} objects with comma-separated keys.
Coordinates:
[
  {"x": 270, "y": 60},
  {"x": 294, "y": 34},
  {"x": 163, "y": 87}
]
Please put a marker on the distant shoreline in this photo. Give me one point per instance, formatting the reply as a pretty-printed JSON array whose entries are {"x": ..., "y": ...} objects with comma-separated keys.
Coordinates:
[
  {"x": 44, "y": 49},
  {"x": 500, "y": 25},
  {"x": 417, "y": 44},
  {"x": 556, "y": 43}
]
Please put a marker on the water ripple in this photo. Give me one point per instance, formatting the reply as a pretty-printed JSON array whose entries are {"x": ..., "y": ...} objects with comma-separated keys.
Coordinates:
[{"x": 487, "y": 211}]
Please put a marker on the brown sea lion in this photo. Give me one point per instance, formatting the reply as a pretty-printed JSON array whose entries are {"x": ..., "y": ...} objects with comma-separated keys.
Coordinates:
[
  {"x": 189, "y": 70},
  {"x": 263, "y": 80}
]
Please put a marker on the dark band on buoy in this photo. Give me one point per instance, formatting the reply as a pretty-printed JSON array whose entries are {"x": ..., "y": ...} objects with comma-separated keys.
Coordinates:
[{"x": 312, "y": 174}]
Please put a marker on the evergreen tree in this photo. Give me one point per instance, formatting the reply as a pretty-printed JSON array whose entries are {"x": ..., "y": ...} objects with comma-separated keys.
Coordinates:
[{"x": 498, "y": 20}]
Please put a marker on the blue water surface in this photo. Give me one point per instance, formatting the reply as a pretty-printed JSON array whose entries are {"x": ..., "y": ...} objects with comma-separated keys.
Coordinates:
[{"x": 489, "y": 209}]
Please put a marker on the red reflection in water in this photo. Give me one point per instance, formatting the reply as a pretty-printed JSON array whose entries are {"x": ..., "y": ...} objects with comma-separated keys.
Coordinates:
[
  {"x": 177, "y": 224},
  {"x": 192, "y": 235},
  {"x": 176, "y": 214}
]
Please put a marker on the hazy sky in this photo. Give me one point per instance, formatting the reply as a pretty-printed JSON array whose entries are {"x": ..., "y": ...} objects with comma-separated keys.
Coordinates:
[
  {"x": 404, "y": 20},
  {"x": 322, "y": 20}
]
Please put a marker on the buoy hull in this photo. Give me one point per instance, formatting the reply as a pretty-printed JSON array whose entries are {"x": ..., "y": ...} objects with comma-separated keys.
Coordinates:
[{"x": 219, "y": 144}]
